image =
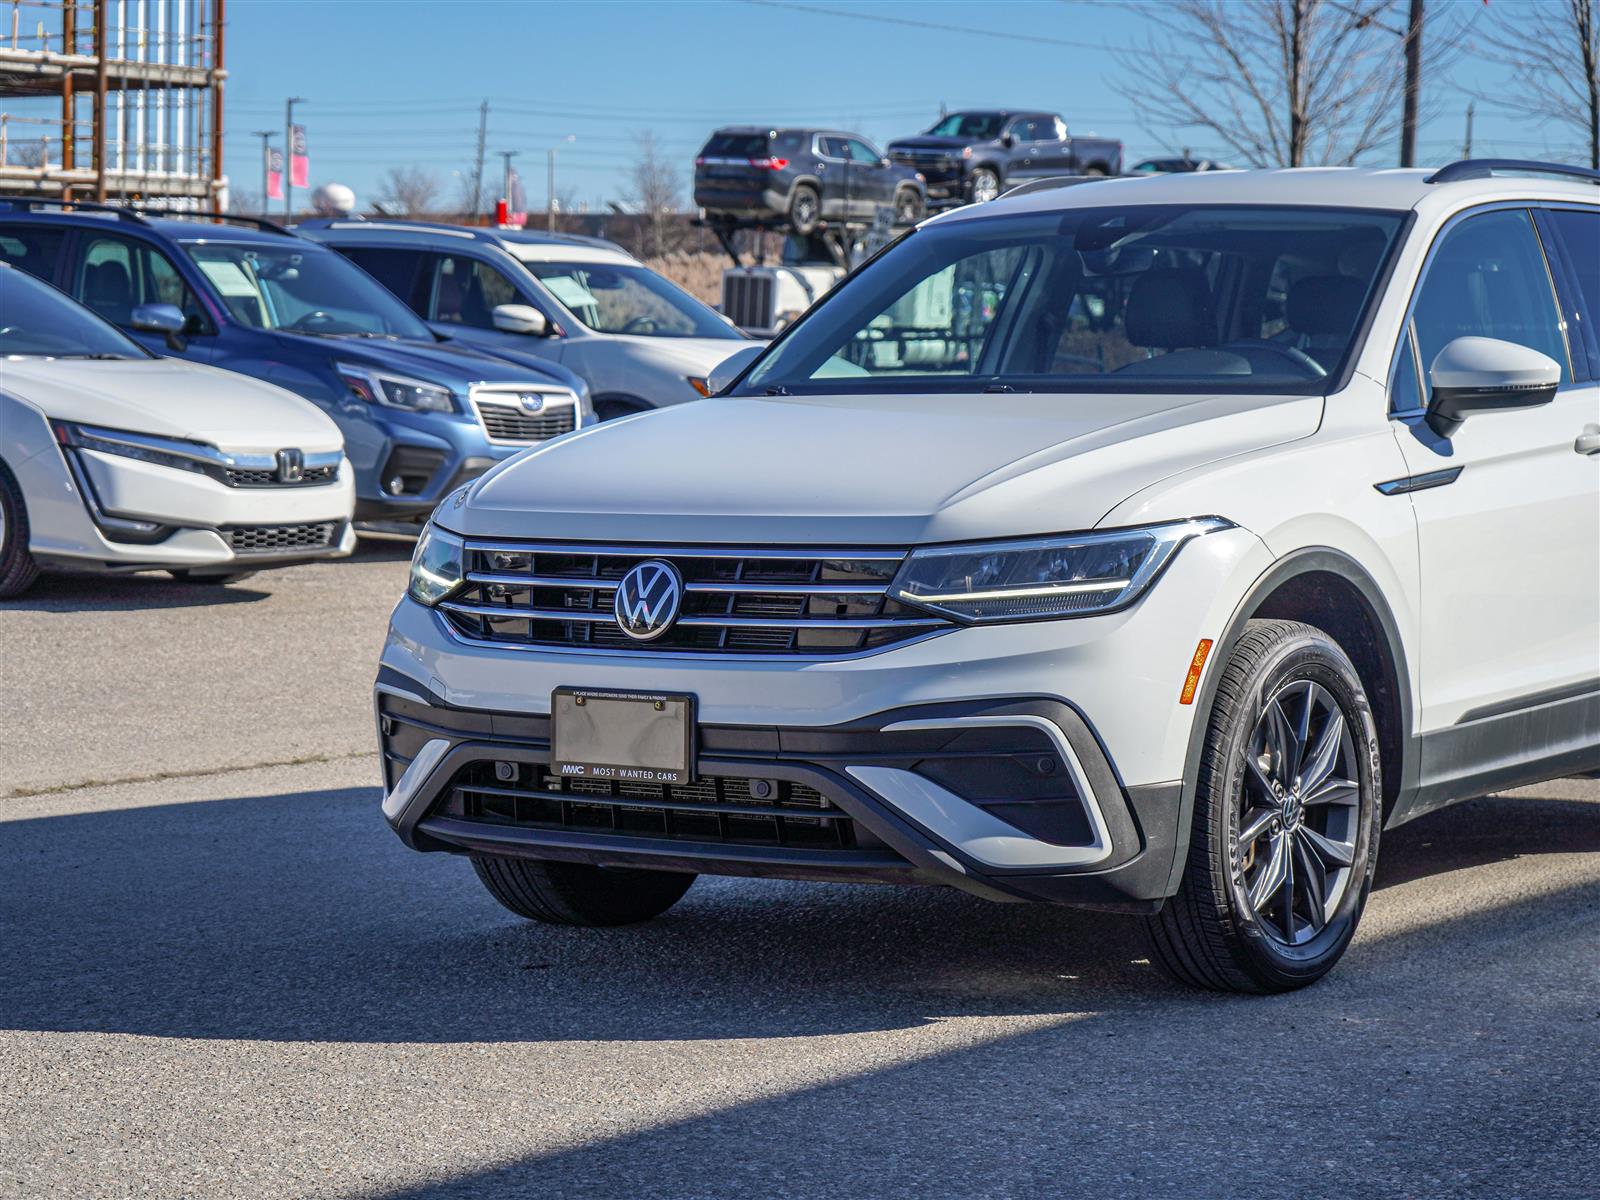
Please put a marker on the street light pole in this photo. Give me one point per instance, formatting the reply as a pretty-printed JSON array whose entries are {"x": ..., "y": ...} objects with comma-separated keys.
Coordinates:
[
  {"x": 288, "y": 155},
  {"x": 266, "y": 136},
  {"x": 505, "y": 178}
]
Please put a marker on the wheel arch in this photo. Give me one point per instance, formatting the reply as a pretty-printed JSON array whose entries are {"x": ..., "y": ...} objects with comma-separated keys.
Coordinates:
[{"x": 1330, "y": 590}]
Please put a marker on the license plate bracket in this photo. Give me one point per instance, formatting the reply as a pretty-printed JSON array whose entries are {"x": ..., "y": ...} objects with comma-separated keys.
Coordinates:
[{"x": 639, "y": 737}]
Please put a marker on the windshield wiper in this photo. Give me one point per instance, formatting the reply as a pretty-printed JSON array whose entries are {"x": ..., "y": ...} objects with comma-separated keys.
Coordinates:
[
  {"x": 99, "y": 354},
  {"x": 779, "y": 390}
]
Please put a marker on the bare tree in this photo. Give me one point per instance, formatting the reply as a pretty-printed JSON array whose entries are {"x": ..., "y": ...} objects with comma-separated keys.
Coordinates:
[
  {"x": 1280, "y": 82},
  {"x": 656, "y": 191},
  {"x": 1552, "y": 51},
  {"x": 410, "y": 191}
]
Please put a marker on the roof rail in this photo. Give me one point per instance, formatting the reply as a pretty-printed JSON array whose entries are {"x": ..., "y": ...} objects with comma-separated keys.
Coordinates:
[
  {"x": 357, "y": 221},
  {"x": 117, "y": 210},
  {"x": 224, "y": 218},
  {"x": 1486, "y": 168},
  {"x": 1048, "y": 183}
]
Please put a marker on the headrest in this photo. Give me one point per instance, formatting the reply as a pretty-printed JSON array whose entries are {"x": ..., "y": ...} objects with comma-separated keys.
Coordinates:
[
  {"x": 1170, "y": 309},
  {"x": 1325, "y": 303}
]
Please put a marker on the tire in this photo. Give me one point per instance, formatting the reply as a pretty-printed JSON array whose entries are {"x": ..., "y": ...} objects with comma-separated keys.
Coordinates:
[
  {"x": 17, "y": 568},
  {"x": 185, "y": 575},
  {"x": 984, "y": 185},
  {"x": 908, "y": 207},
  {"x": 1097, "y": 171},
  {"x": 1231, "y": 927},
  {"x": 563, "y": 893},
  {"x": 805, "y": 209}
]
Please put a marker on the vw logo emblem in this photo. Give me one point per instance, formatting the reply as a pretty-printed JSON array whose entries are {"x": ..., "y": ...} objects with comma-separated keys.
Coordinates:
[
  {"x": 531, "y": 401},
  {"x": 648, "y": 599}
]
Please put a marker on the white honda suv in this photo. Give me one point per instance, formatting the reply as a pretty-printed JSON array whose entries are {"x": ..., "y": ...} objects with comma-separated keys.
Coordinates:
[
  {"x": 1146, "y": 545},
  {"x": 112, "y": 459}
]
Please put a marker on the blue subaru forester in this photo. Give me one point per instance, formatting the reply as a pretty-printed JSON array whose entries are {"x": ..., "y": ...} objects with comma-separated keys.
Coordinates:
[{"x": 419, "y": 412}]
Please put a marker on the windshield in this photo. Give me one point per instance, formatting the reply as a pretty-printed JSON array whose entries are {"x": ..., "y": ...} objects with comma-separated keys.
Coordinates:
[
  {"x": 1136, "y": 299},
  {"x": 627, "y": 299},
  {"x": 38, "y": 321},
  {"x": 303, "y": 288},
  {"x": 980, "y": 127}
]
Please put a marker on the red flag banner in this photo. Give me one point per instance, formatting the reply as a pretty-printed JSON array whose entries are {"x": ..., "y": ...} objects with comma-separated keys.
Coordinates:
[
  {"x": 299, "y": 162},
  {"x": 274, "y": 174}
]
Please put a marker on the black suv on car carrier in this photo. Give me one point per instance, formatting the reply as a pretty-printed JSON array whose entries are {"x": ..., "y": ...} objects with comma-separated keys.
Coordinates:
[{"x": 974, "y": 156}]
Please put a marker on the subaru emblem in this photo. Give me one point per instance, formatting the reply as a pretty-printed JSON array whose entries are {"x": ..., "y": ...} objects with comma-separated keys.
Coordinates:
[
  {"x": 648, "y": 599},
  {"x": 531, "y": 401},
  {"x": 291, "y": 466}
]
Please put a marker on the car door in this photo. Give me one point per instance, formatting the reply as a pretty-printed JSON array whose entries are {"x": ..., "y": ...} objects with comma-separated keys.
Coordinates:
[
  {"x": 1053, "y": 153},
  {"x": 459, "y": 293},
  {"x": 870, "y": 172},
  {"x": 1508, "y": 514},
  {"x": 834, "y": 172},
  {"x": 114, "y": 274},
  {"x": 1029, "y": 150}
]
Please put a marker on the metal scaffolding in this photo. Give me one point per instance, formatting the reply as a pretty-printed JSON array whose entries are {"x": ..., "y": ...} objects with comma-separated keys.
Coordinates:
[{"x": 139, "y": 85}]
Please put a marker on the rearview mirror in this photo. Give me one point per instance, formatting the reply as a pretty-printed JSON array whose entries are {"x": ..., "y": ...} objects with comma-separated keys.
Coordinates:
[
  {"x": 1479, "y": 374},
  {"x": 165, "y": 319},
  {"x": 730, "y": 368},
  {"x": 520, "y": 318}
]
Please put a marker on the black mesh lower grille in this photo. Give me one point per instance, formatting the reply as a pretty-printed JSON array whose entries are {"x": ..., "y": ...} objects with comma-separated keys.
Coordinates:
[
  {"x": 718, "y": 809},
  {"x": 274, "y": 539},
  {"x": 312, "y": 476}
]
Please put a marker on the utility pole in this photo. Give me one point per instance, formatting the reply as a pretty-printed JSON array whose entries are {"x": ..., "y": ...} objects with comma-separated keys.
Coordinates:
[
  {"x": 477, "y": 168},
  {"x": 1408, "y": 118},
  {"x": 1466, "y": 149},
  {"x": 550, "y": 184},
  {"x": 266, "y": 136},
  {"x": 288, "y": 155},
  {"x": 505, "y": 178}
]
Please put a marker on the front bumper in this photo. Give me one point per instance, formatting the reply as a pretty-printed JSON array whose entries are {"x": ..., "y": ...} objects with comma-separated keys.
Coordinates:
[{"x": 1104, "y": 691}]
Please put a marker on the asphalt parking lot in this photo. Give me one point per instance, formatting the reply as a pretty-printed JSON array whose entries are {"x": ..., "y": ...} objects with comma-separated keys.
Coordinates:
[{"x": 220, "y": 975}]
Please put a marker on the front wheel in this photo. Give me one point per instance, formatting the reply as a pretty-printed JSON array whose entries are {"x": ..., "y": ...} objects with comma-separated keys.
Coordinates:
[
  {"x": 17, "y": 568},
  {"x": 985, "y": 185},
  {"x": 563, "y": 893},
  {"x": 908, "y": 207},
  {"x": 805, "y": 209},
  {"x": 1286, "y": 817}
]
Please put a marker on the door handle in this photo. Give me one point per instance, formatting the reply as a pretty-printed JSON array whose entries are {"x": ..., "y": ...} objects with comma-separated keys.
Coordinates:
[{"x": 1588, "y": 441}]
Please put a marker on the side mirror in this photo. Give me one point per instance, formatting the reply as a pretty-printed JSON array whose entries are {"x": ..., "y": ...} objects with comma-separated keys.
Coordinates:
[
  {"x": 165, "y": 319},
  {"x": 883, "y": 160},
  {"x": 1007, "y": 140},
  {"x": 520, "y": 318},
  {"x": 1478, "y": 374},
  {"x": 730, "y": 368}
]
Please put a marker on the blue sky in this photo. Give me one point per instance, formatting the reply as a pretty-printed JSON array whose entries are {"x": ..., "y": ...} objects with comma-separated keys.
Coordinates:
[{"x": 398, "y": 84}]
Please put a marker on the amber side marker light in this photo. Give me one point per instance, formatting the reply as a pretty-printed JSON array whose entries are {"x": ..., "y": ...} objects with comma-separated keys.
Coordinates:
[{"x": 1197, "y": 664}]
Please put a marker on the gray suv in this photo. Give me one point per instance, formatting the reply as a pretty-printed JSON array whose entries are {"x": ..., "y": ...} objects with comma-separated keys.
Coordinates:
[{"x": 974, "y": 156}]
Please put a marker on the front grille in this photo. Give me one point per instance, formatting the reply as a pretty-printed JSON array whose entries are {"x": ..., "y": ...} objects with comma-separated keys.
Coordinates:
[
  {"x": 275, "y": 539},
  {"x": 717, "y": 809},
  {"x": 747, "y": 300},
  {"x": 312, "y": 476},
  {"x": 735, "y": 601},
  {"x": 510, "y": 422}
]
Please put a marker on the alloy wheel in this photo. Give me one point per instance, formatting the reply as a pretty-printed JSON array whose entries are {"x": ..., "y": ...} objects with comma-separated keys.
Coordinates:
[
  {"x": 985, "y": 187},
  {"x": 1292, "y": 844}
]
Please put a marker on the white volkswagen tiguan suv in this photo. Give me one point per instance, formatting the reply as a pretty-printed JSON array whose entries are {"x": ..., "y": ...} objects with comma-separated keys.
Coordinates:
[
  {"x": 112, "y": 459},
  {"x": 1146, "y": 545}
]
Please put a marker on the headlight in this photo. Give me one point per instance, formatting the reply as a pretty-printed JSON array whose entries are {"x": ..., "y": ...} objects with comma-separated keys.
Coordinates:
[
  {"x": 436, "y": 569},
  {"x": 395, "y": 391},
  {"x": 164, "y": 452},
  {"x": 1072, "y": 576},
  {"x": 966, "y": 152}
]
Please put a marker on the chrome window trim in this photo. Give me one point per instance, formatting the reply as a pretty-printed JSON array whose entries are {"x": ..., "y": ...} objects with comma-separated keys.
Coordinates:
[{"x": 1407, "y": 323}]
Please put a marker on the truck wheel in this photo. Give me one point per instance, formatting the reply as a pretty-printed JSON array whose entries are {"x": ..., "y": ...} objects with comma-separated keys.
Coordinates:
[
  {"x": 908, "y": 207},
  {"x": 985, "y": 185},
  {"x": 563, "y": 893},
  {"x": 1286, "y": 819},
  {"x": 1097, "y": 171},
  {"x": 805, "y": 209},
  {"x": 17, "y": 568}
]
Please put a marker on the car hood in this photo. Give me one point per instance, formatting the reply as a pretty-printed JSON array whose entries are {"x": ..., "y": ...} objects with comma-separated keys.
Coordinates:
[
  {"x": 450, "y": 364},
  {"x": 880, "y": 470},
  {"x": 534, "y": 368},
  {"x": 687, "y": 355},
  {"x": 171, "y": 398}
]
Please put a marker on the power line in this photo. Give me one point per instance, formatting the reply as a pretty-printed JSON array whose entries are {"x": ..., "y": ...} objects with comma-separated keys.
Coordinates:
[{"x": 965, "y": 30}]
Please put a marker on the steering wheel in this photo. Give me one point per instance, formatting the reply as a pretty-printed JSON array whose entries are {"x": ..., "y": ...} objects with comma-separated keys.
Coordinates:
[
  {"x": 312, "y": 319},
  {"x": 640, "y": 325},
  {"x": 1291, "y": 354},
  {"x": 1062, "y": 359}
]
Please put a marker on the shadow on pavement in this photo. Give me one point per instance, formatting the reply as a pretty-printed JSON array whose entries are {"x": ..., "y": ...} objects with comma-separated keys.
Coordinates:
[{"x": 301, "y": 918}]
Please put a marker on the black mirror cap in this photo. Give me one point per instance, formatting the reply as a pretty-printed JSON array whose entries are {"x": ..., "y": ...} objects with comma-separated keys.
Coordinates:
[{"x": 1448, "y": 407}]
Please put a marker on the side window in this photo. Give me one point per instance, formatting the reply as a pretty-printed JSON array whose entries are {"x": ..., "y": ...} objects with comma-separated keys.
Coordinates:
[
  {"x": 833, "y": 147},
  {"x": 1488, "y": 279},
  {"x": 863, "y": 153},
  {"x": 789, "y": 145},
  {"x": 33, "y": 248},
  {"x": 116, "y": 275},
  {"x": 395, "y": 269},
  {"x": 466, "y": 291},
  {"x": 1580, "y": 237}
]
